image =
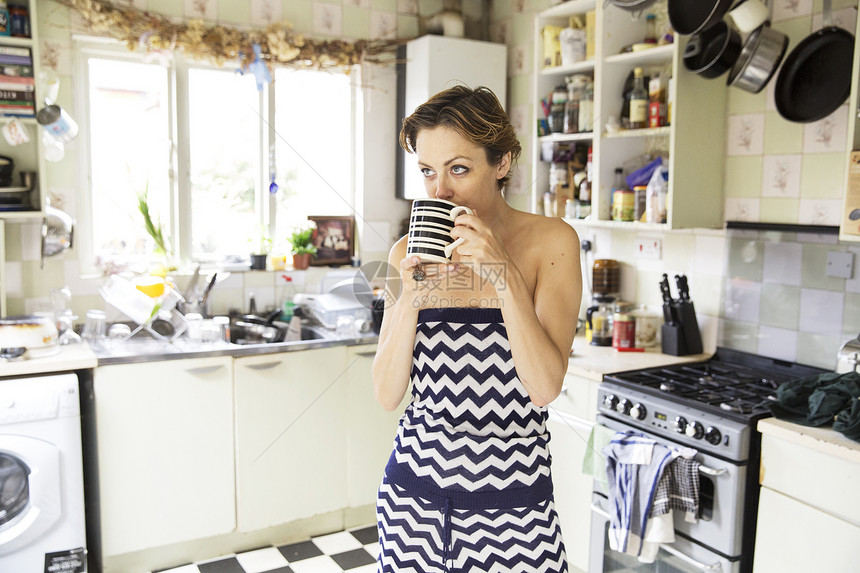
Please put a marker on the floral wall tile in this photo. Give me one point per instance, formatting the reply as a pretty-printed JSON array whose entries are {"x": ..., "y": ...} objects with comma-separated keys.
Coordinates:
[
  {"x": 788, "y": 9},
  {"x": 206, "y": 9},
  {"x": 383, "y": 25},
  {"x": 746, "y": 134},
  {"x": 518, "y": 60},
  {"x": 265, "y": 12},
  {"x": 828, "y": 134},
  {"x": 363, "y": 4},
  {"x": 820, "y": 212},
  {"x": 742, "y": 209},
  {"x": 328, "y": 19},
  {"x": 409, "y": 7},
  {"x": 781, "y": 176}
]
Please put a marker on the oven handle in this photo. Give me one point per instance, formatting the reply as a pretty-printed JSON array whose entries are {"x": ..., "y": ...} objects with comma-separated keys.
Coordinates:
[
  {"x": 683, "y": 557},
  {"x": 711, "y": 471}
]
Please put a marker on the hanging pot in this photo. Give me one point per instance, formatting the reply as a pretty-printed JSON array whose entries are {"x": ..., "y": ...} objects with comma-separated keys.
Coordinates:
[
  {"x": 816, "y": 77},
  {"x": 712, "y": 52},
  {"x": 693, "y": 16},
  {"x": 58, "y": 232},
  {"x": 763, "y": 50}
]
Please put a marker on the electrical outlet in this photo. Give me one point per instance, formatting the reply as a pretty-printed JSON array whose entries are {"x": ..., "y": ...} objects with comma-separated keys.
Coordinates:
[{"x": 648, "y": 248}]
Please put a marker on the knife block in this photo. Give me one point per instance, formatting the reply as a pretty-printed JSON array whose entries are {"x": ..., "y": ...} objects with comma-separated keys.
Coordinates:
[{"x": 683, "y": 337}]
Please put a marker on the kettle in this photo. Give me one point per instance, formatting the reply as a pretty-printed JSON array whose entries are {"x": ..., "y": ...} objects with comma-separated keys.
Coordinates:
[
  {"x": 849, "y": 356},
  {"x": 598, "y": 321}
]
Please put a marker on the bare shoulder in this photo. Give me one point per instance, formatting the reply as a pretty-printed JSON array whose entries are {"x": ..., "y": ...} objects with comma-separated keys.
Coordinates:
[
  {"x": 398, "y": 251},
  {"x": 548, "y": 233}
]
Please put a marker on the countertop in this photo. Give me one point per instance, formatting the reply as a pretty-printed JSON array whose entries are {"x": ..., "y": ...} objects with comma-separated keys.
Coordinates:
[
  {"x": 592, "y": 362},
  {"x": 67, "y": 358},
  {"x": 823, "y": 439}
]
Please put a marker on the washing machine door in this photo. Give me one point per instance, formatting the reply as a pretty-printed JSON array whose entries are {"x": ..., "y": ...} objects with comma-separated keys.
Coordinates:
[{"x": 30, "y": 490}]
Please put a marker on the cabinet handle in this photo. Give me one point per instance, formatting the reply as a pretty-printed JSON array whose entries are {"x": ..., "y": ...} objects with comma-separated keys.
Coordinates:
[
  {"x": 264, "y": 365},
  {"x": 204, "y": 369},
  {"x": 366, "y": 353}
]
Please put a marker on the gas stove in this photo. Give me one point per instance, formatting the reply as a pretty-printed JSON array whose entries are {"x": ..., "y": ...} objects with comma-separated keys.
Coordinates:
[{"x": 709, "y": 405}]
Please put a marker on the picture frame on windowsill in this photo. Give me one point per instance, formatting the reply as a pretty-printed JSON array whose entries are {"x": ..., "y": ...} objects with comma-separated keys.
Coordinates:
[{"x": 334, "y": 238}]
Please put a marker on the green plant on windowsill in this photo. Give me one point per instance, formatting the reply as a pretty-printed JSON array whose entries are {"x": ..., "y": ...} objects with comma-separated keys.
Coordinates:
[
  {"x": 261, "y": 243},
  {"x": 154, "y": 228},
  {"x": 302, "y": 247}
]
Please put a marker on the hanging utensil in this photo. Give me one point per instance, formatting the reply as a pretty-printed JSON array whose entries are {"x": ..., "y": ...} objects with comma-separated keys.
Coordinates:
[
  {"x": 694, "y": 16},
  {"x": 816, "y": 77},
  {"x": 760, "y": 57}
]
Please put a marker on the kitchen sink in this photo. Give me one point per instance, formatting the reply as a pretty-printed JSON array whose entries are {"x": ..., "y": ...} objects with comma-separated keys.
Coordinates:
[{"x": 309, "y": 333}]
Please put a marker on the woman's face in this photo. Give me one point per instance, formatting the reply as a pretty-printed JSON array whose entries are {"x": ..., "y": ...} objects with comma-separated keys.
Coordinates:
[{"x": 456, "y": 169}]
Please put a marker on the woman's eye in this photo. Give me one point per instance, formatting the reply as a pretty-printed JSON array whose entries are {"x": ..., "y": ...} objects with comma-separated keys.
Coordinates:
[
  {"x": 427, "y": 172},
  {"x": 459, "y": 170}
]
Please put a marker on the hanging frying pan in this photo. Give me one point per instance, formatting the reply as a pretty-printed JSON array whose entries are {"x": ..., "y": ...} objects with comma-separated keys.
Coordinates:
[
  {"x": 694, "y": 16},
  {"x": 816, "y": 76}
]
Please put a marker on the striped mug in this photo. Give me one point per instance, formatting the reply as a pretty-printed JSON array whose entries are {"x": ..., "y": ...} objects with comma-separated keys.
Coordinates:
[{"x": 430, "y": 225}]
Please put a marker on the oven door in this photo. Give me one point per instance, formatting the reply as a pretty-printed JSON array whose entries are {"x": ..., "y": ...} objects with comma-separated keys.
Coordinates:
[
  {"x": 682, "y": 556},
  {"x": 717, "y": 532}
]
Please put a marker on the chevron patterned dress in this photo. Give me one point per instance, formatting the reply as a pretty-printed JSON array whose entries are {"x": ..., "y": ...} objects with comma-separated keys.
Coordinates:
[{"x": 468, "y": 487}]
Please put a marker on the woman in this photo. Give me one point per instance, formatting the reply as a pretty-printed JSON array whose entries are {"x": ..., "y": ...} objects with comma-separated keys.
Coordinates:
[{"x": 485, "y": 342}]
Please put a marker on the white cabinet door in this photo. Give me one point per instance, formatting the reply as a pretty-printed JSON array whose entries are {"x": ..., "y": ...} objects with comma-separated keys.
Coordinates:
[
  {"x": 165, "y": 450},
  {"x": 572, "y": 488},
  {"x": 371, "y": 429},
  {"x": 290, "y": 436},
  {"x": 793, "y": 536}
]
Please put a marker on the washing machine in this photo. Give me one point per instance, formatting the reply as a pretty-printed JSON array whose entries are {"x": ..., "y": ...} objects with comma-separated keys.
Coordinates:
[{"x": 42, "y": 525}]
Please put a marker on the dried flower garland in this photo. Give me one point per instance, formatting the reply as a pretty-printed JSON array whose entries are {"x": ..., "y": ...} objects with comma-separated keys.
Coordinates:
[{"x": 278, "y": 43}]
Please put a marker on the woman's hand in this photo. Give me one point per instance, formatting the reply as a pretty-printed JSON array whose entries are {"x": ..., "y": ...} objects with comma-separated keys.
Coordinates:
[
  {"x": 482, "y": 249},
  {"x": 415, "y": 290}
]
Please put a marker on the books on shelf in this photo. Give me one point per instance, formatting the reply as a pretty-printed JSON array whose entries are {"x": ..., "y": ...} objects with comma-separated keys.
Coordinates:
[{"x": 17, "y": 82}]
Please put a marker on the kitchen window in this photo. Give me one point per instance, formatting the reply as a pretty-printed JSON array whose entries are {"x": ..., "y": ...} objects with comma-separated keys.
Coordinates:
[{"x": 217, "y": 158}]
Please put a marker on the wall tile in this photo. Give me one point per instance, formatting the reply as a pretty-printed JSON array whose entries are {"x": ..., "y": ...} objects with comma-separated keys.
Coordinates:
[
  {"x": 743, "y": 300},
  {"x": 742, "y": 209},
  {"x": 407, "y": 26},
  {"x": 740, "y": 101},
  {"x": 741, "y": 335},
  {"x": 781, "y": 176},
  {"x": 851, "y": 316},
  {"x": 300, "y": 13},
  {"x": 265, "y": 12},
  {"x": 781, "y": 263},
  {"x": 383, "y": 25},
  {"x": 817, "y": 349},
  {"x": 328, "y": 19},
  {"x": 206, "y": 9},
  {"x": 780, "y": 306},
  {"x": 746, "y": 134},
  {"x": 779, "y": 210},
  {"x": 356, "y": 23},
  {"x": 743, "y": 176},
  {"x": 780, "y": 136},
  {"x": 777, "y": 343},
  {"x": 843, "y": 17},
  {"x": 746, "y": 258},
  {"x": 167, "y": 7},
  {"x": 788, "y": 9},
  {"x": 822, "y": 175},
  {"x": 828, "y": 134},
  {"x": 814, "y": 262},
  {"x": 820, "y": 212},
  {"x": 407, "y": 7},
  {"x": 821, "y": 311}
]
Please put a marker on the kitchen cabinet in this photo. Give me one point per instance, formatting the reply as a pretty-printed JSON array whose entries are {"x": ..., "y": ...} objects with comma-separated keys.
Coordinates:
[
  {"x": 694, "y": 142},
  {"x": 28, "y": 156},
  {"x": 370, "y": 429},
  {"x": 165, "y": 449},
  {"x": 291, "y": 436},
  {"x": 808, "y": 476},
  {"x": 572, "y": 415}
]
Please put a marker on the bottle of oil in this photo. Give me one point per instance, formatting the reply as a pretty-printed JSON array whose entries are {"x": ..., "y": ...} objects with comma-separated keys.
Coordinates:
[{"x": 638, "y": 101}]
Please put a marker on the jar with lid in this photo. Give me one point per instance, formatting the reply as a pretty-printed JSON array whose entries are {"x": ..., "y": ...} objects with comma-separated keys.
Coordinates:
[
  {"x": 586, "y": 108},
  {"x": 571, "y": 108},
  {"x": 19, "y": 19},
  {"x": 606, "y": 276}
]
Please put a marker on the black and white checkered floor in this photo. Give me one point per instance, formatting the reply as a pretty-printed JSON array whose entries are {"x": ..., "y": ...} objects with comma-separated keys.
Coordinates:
[{"x": 353, "y": 551}]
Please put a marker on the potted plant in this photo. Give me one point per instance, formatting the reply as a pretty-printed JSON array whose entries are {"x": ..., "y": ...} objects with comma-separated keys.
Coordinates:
[
  {"x": 302, "y": 246},
  {"x": 260, "y": 249}
]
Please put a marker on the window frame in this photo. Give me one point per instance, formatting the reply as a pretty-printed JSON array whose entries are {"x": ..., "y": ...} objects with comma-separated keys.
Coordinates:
[{"x": 179, "y": 216}]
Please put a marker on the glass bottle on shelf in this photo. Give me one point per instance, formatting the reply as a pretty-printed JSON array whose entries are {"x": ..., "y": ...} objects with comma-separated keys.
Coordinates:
[
  {"x": 650, "y": 29},
  {"x": 571, "y": 108},
  {"x": 557, "y": 109},
  {"x": 638, "y": 101},
  {"x": 586, "y": 108}
]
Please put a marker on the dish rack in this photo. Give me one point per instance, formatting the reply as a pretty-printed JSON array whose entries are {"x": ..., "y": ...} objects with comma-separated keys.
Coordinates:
[{"x": 143, "y": 309}]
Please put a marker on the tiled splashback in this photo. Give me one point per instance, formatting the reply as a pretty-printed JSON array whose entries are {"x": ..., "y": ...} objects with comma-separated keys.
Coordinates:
[{"x": 779, "y": 300}]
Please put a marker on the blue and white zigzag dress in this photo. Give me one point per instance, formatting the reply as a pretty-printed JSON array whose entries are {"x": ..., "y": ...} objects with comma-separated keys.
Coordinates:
[{"x": 468, "y": 487}]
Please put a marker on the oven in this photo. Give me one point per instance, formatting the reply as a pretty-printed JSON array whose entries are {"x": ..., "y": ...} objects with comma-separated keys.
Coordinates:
[{"x": 711, "y": 407}]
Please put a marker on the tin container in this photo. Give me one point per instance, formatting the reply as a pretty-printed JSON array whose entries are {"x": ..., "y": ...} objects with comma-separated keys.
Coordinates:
[
  {"x": 58, "y": 123},
  {"x": 622, "y": 205},
  {"x": 623, "y": 330}
]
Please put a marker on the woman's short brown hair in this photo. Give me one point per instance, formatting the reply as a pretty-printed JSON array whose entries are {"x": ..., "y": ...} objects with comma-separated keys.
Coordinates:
[{"x": 475, "y": 114}]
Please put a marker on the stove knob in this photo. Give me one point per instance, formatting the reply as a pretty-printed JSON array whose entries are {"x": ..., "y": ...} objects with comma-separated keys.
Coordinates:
[
  {"x": 610, "y": 401},
  {"x": 638, "y": 411},
  {"x": 713, "y": 436},
  {"x": 680, "y": 424},
  {"x": 623, "y": 407},
  {"x": 695, "y": 430}
]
